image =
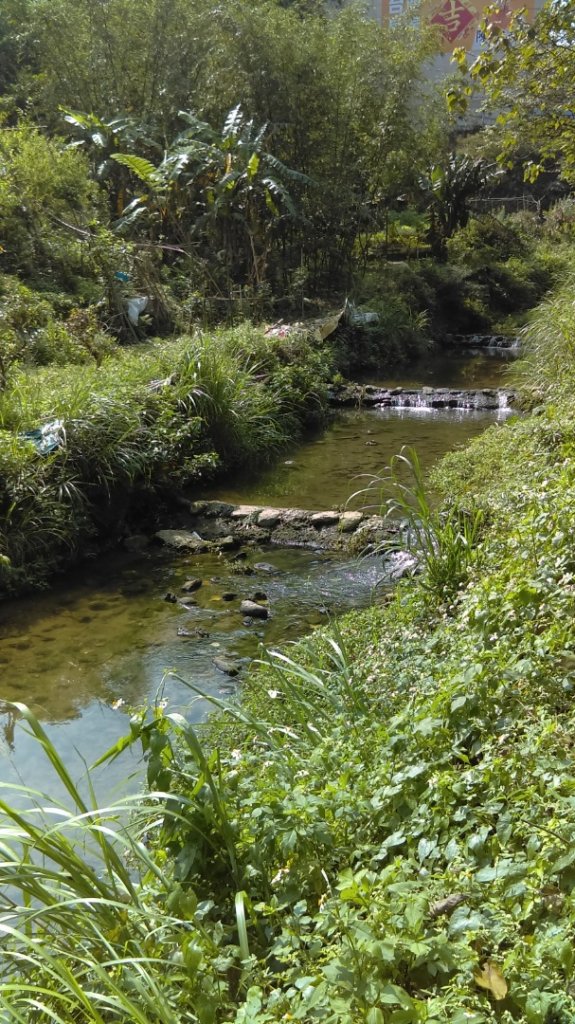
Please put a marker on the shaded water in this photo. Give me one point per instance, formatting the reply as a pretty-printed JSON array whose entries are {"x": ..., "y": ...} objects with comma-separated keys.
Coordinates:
[
  {"x": 102, "y": 640},
  {"x": 484, "y": 368}
]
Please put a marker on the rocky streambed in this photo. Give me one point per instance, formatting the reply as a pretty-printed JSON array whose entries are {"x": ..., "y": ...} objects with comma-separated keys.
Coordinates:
[{"x": 221, "y": 526}]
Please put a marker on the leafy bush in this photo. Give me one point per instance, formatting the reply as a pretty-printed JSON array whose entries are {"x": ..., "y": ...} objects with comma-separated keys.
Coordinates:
[
  {"x": 159, "y": 418},
  {"x": 46, "y": 200}
]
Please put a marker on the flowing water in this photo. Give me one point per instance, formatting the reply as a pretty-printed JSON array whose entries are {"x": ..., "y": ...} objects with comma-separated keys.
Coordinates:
[{"x": 105, "y": 639}]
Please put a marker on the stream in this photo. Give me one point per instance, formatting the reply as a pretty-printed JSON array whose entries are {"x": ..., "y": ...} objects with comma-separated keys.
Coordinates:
[{"x": 102, "y": 640}]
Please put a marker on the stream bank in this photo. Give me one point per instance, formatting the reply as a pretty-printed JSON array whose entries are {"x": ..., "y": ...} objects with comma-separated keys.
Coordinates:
[{"x": 101, "y": 640}]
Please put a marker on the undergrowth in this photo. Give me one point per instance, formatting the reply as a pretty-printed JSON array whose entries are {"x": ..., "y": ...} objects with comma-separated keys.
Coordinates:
[
  {"x": 145, "y": 422},
  {"x": 381, "y": 831}
]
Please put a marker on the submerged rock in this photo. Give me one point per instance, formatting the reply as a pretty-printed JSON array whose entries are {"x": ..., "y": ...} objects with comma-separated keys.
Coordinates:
[{"x": 226, "y": 665}]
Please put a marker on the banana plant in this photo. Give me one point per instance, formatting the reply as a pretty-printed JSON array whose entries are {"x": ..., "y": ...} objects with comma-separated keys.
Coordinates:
[
  {"x": 446, "y": 189},
  {"x": 219, "y": 190},
  {"x": 101, "y": 140}
]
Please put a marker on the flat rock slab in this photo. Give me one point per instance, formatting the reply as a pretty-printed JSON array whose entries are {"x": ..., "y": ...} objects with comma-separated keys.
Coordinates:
[
  {"x": 182, "y": 540},
  {"x": 244, "y": 511},
  {"x": 325, "y": 518}
]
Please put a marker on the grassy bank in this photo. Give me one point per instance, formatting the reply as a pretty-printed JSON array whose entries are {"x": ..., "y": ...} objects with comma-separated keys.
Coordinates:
[
  {"x": 382, "y": 831},
  {"x": 139, "y": 427}
]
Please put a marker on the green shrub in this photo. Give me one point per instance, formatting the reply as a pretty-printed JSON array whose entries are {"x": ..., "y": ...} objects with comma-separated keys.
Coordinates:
[
  {"x": 485, "y": 239},
  {"x": 160, "y": 417}
]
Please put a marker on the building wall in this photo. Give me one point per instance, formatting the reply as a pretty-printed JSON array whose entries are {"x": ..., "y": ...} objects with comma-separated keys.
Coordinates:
[{"x": 457, "y": 21}]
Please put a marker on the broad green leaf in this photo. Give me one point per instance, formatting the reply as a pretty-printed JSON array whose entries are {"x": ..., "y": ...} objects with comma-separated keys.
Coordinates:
[
  {"x": 253, "y": 165},
  {"x": 142, "y": 168}
]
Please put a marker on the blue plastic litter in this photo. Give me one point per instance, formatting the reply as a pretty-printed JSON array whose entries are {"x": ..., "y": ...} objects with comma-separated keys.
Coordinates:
[
  {"x": 121, "y": 275},
  {"x": 46, "y": 439}
]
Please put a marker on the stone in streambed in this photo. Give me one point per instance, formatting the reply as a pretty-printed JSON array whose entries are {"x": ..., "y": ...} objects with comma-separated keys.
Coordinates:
[
  {"x": 254, "y": 610},
  {"x": 266, "y": 567},
  {"x": 349, "y": 521},
  {"x": 244, "y": 511},
  {"x": 226, "y": 665},
  {"x": 182, "y": 540},
  {"x": 327, "y": 518},
  {"x": 227, "y": 543},
  {"x": 269, "y": 517},
  {"x": 258, "y": 595},
  {"x": 190, "y": 585}
]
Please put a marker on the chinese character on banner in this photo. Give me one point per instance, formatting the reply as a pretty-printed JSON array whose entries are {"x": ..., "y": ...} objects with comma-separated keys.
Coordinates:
[{"x": 453, "y": 18}]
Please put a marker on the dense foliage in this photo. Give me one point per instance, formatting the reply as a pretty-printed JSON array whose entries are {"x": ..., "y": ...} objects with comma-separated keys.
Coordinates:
[
  {"x": 527, "y": 74},
  {"x": 381, "y": 831}
]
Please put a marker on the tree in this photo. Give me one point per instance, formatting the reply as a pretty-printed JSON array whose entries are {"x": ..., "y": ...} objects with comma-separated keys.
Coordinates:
[
  {"x": 446, "y": 190},
  {"x": 222, "y": 191},
  {"x": 527, "y": 73}
]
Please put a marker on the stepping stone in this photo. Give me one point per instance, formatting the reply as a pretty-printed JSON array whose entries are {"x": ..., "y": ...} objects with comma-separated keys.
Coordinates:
[
  {"x": 269, "y": 517},
  {"x": 325, "y": 518},
  {"x": 349, "y": 521},
  {"x": 244, "y": 511}
]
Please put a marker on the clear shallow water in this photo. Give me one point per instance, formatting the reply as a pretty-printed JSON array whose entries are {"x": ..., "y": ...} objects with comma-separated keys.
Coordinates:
[
  {"x": 103, "y": 639},
  {"x": 325, "y": 472},
  {"x": 85, "y": 653}
]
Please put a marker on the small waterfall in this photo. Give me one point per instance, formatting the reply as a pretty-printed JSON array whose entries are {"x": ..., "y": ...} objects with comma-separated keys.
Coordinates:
[{"x": 478, "y": 400}]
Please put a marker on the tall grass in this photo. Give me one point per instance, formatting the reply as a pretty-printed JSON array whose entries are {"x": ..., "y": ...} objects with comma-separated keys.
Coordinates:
[
  {"x": 100, "y": 915},
  {"x": 547, "y": 367},
  {"x": 162, "y": 417},
  {"x": 95, "y": 928},
  {"x": 443, "y": 539}
]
